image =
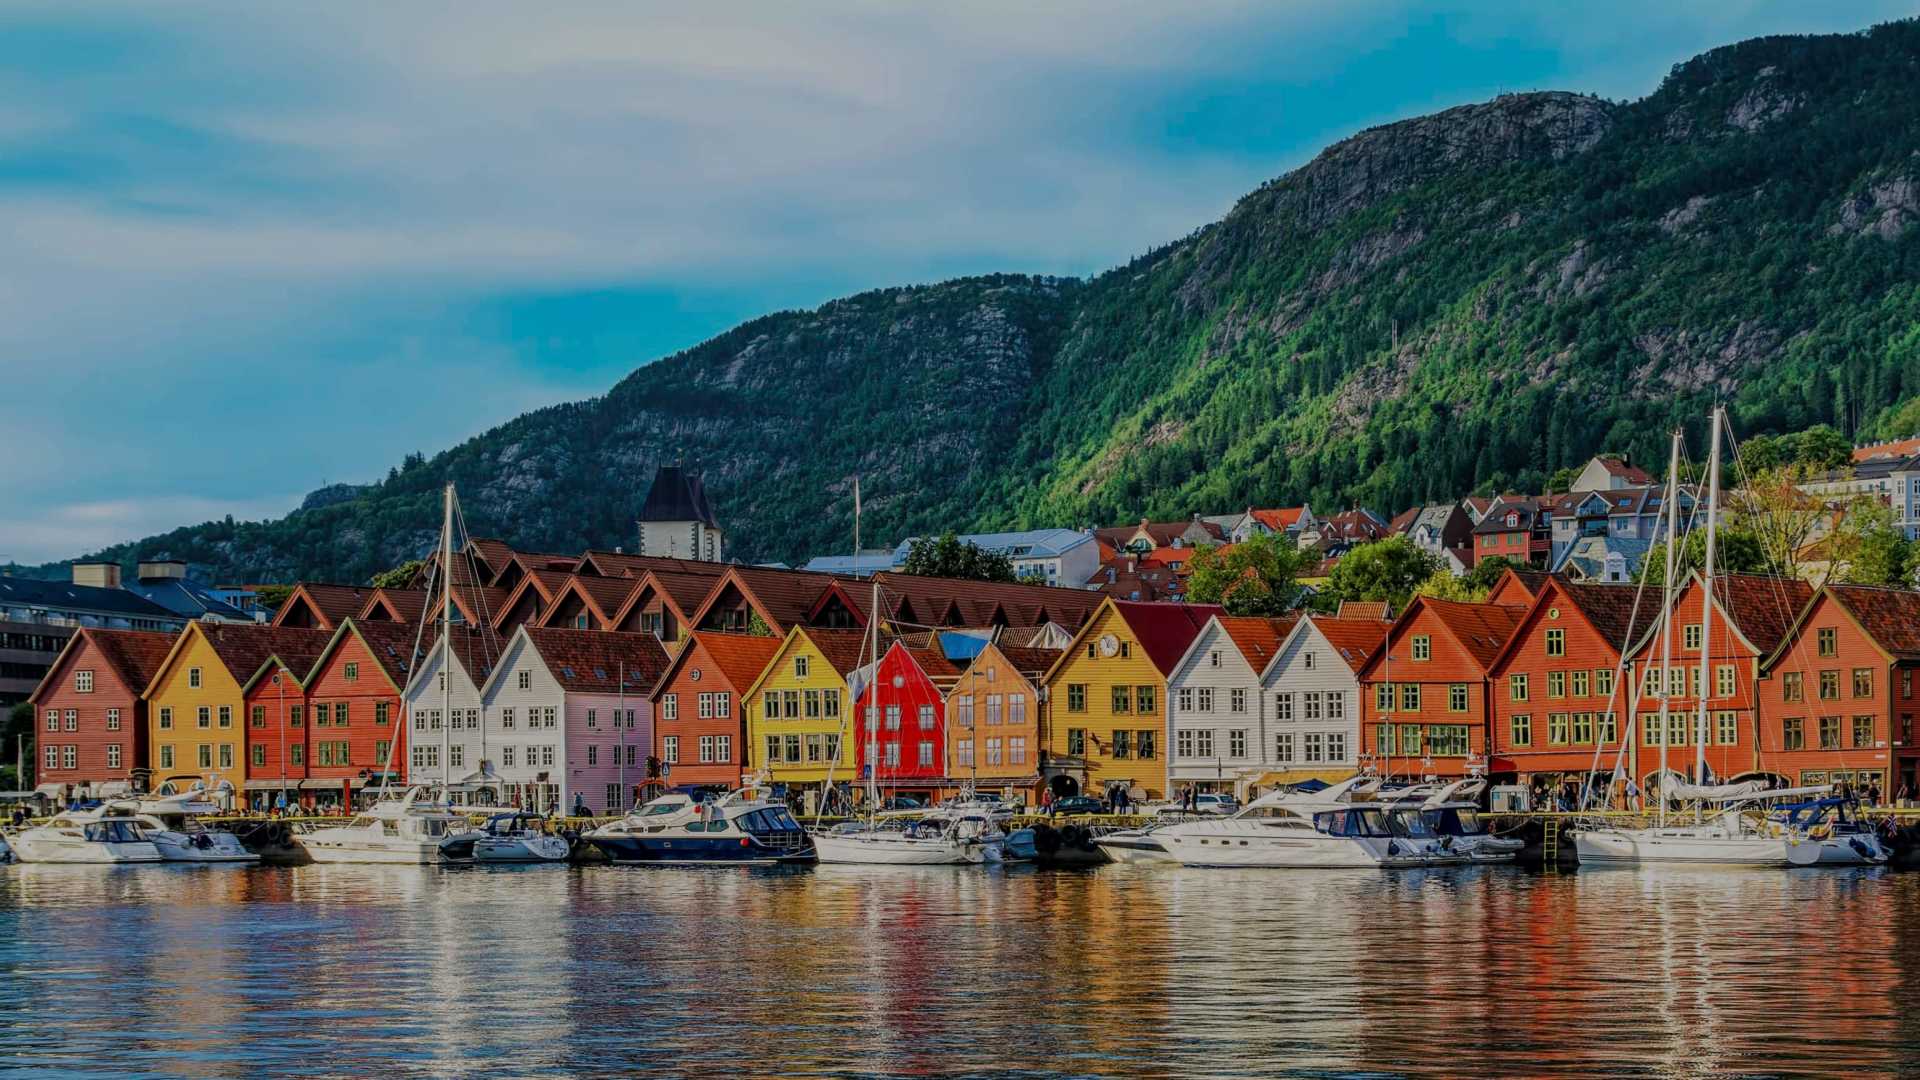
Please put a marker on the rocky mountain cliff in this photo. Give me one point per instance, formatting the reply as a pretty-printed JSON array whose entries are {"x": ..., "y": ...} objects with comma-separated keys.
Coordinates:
[{"x": 1467, "y": 300}]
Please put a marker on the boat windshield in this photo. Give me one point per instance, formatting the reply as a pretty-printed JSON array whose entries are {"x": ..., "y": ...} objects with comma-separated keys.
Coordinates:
[
  {"x": 362, "y": 822},
  {"x": 1456, "y": 821},
  {"x": 659, "y": 808},
  {"x": 775, "y": 819},
  {"x": 112, "y": 831},
  {"x": 1352, "y": 823},
  {"x": 1410, "y": 823}
]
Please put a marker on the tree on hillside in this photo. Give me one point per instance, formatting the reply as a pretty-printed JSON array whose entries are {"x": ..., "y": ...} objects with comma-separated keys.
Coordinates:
[
  {"x": 1444, "y": 584},
  {"x": 1784, "y": 519},
  {"x": 399, "y": 577},
  {"x": 949, "y": 557},
  {"x": 272, "y": 596},
  {"x": 1251, "y": 578},
  {"x": 1488, "y": 571},
  {"x": 1899, "y": 421},
  {"x": 1868, "y": 547},
  {"x": 1389, "y": 570},
  {"x": 1738, "y": 551},
  {"x": 1562, "y": 479},
  {"x": 1816, "y": 449}
]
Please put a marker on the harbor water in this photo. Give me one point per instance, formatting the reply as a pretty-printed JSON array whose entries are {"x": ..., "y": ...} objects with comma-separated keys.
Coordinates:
[{"x": 849, "y": 971}]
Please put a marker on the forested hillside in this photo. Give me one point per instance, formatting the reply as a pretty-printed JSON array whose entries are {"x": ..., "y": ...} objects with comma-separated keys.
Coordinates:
[{"x": 1464, "y": 301}]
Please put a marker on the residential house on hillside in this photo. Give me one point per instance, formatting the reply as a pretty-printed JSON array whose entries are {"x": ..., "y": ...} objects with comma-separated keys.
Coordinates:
[
  {"x": 1167, "y": 539},
  {"x": 1336, "y": 535},
  {"x": 1047, "y": 556},
  {"x": 1893, "y": 480},
  {"x": 1216, "y": 719},
  {"x": 92, "y": 731},
  {"x": 1287, "y": 522},
  {"x": 1894, "y": 448},
  {"x": 569, "y": 718},
  {"x": 1312, "y": 693},
  {"x": 993, "y": 720},
  {"x": 1443, "y": 530},
  {"x": 1425, "y": 702},
  {"x": 168, "y": 583},
  {"x": 1517, "y": 527},
  {"x": 1104, "y": 721},
  {"x": 1836, "y": 694},
  {"x": 1607, "y": 472}
]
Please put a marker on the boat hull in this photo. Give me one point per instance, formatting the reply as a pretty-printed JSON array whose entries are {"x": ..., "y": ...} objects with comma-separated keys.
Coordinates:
[
  {"x": 897, "y": 850},
  {"x": 545, "y": 849},
  {"x": 1135, "y": 848},
  {"x": 1226, "y": 847},
  {"x": 678, "y": 850},
  {"x": 29, "y": 848},
  {"x": 359, "y": 850},
  {"x": 1634, "y": 847},
  {"x": 219, "y": 848},
  {"x": 1851, "y": 850}
]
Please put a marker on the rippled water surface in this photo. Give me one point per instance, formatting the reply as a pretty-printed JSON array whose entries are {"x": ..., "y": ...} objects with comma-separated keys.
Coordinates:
[{"x": 338, "y": 970}]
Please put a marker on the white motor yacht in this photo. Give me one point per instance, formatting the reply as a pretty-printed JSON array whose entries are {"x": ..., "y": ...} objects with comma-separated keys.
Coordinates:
[
  {"x": 739, "y": 827},
  {"x": 405, "y": 830},
  {"x": 517, "y": 838},
  {"x": 914, "y": 838},
  {"x": 1323, "y": 829},
  {"x": 171, "y": 823},
  {"x": 1136, "y": 845},
  {"x": 84, "y": 836},
  {"x": 1453, "y": 813}
]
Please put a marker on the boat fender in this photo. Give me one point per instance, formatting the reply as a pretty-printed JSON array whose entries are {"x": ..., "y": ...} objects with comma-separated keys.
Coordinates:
[
  {"x": 1860, "y": 847},
  {"x": 1393, "y": 847}
]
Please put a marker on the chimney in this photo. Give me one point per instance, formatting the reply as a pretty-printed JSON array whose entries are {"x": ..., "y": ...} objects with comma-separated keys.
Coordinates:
[
  {"x": 162, "y": 570},
  {"x": 99, "y": 575}
]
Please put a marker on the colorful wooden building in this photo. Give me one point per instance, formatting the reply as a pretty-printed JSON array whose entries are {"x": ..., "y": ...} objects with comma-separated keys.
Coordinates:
[
  {"x": 92, "y": 720},
  {"x": 1312, "y": 690},
  {"x": 1836, "y": 695},
  {"x": 1425, "y": 704},
  {"x": 902, "y": 717},
  {"x": 800, "y": 721},
  {"x": 345, "y": 732},
  {"x": 1561, "y": 697},
  {"x": 698, "y": 719},
  {"x": 446, "y": 740},
  {"x": 993, "y": 720},
  {"x": 1216, "y": 714},
  {"x": 1104, "y": 718}
]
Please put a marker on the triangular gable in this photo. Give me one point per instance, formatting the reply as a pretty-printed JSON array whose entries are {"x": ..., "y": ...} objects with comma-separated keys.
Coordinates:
[
  {"x": 173, "y": 655},
  {"x": 1211, "y": 632},
  {"x": 1414, "y": 608},
  {"x": 1554, "y": 594},
  {"x": 732, "y": 580},
  {"x": 1075, "y": 646},
  {"x": 54, "y": 674},
  {"x": 349, "y": 628},
  {"x": 1798, "y": 627},
  {"x": 522, "y": 641},
  {"x": 649, "y": 587},
  {"x": 299, "y": 609},
  {"x": 786, "y": 649}
]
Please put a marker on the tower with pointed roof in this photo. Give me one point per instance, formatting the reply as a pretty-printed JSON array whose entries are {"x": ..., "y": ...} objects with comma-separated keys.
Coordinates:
[{"x": 676, "y": 521}]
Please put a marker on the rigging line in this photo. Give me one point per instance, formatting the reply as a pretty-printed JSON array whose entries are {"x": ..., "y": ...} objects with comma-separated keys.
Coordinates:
[{"x": 1619, "y": 677}]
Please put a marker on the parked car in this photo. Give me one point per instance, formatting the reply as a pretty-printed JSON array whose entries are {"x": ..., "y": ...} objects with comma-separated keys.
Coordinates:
[
  {"x": 1079, "y": 804},
  {"x": 902, "y": 802}
]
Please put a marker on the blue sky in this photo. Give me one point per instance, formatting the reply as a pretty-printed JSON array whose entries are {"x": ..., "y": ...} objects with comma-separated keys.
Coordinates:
[{"x": 249, "y": 249}]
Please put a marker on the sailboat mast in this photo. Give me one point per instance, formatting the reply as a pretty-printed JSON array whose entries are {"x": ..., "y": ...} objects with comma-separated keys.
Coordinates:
[
  {"x": 620, "y": 735},
  {"x": 1666, "y": 617},
  {"x": 1706, "y": 602},
  {"x": 446, "y": 645},
  {"x": 873, "y": 707}
]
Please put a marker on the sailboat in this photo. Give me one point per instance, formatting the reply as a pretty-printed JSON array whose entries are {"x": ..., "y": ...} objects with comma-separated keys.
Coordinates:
[
  {"x": 1729, "y": 825},
  {"x": 414, "y": 827}
]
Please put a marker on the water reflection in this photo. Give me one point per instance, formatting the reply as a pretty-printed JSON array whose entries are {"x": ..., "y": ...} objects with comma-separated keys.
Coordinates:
[{"x": 1121, "y": 971}]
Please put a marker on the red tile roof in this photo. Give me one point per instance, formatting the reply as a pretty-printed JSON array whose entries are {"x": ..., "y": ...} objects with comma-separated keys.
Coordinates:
[
  {"x": 1357, "y": 640},
  {"x": 1897, "y": 448},
  {"x": 478, "y": 649},
  {"x": 1481, "y": 629},
  {"x": 1165, "y": 630},
  {"x": 1891, "y": 617},
  {"x": 391, "y": 644},
  {"x": 1611, "y": 608},
  {"x": 244, "y": 648},
  {"x": 1279, "y": 520},
  {"x": 844, "y": 649},
  {"x": 1373, "y": 610},
  {"x": 135, "y": 654},
  {"x": 1633, "y": 474},
  {"x": 621, "y": 564},
  {"x": 978, "y": 602},
  {"x": 331, "y": 604},
  {"x": 592, "y": 661},
  {"x": 783, "y": 597},
  {"x": 1257, "y": 639},
  {"x": 1762, "y": 606},
  {"x": 740, "y": 657},
  {"x": 602, "y": 597}
]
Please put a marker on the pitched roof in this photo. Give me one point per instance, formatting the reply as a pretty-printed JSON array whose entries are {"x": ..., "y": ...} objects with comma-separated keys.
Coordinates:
[
  {"x": 1898, "y": 448},
  {"x": 401, "y": 605},
  {"x": 622, "y": 564},
  {"x": 390, "y": 643},
  {"x": 1165, "y": 630},
  {"x": 1279, "y": 520},
  {"x": 591, "y": 661},
  {"x": 934, "y": 665},
  {"x": 1402, "y": 522},
  {"x": 134, "y": 655},
  {"x": 1524, "y": 508},
  {"x": 740, "y": 657},
  {"x": 1029, "y": 662},
  {"x": 1356, "y": 640},
  {"x": 1610, "y": 608},
  {"x": 603, "y": 596},
  {"x": 677, "y": 495},
  {"x": 1614, "y": 466},
  {"x": 1890, "y": 616},
  {"x": 494, "y": 553},
  {"x": 1373, "y": 610},
  {"x": 977, "y": 601},
  {"x": 1761, "y": 606},
  {"x": 478, "y": 649},
  {"x": 1481, "y": 629},
  {"x": 244, "y": 648},
  {"x": 65, "y": 596},
  {"x": 783, "y": 597},
  {"x": 330, "y": 604},
  {"x": 1354, "y": 524},
  {"x": 1257, "y": 639},
  {"x": 842, "y": 648}
]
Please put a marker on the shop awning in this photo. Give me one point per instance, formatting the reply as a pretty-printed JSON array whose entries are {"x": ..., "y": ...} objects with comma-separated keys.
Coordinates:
[{"x": 272, "y": 785}]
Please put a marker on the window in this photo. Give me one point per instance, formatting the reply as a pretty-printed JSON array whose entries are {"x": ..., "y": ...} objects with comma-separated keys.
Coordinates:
[
  {"x": 1609, "y": 731},
  {"x": 1422, "y": 647},
  {"x": 206, "y": 755},
  {"x": 1830, "y": 685},
  {"x": 259, "y": 716},
  {"x": 1237, "y": 743},
  {"x": 1315, "y": 744},
  {"x": 706, "y": 749},
  {"x": 1582, "y": 728},
  {"x": 113, "y": 719},
  {"x": 706, "y": 706},
  {"x": 1723, "y": 680},
  {"x": 1829, "y": 641},
  {"x": 83, "y": 682},
  {"x": 53, "y": 719},
  {"x": 613, "y": 798},
  {"x": 926, "y": 753},
  {"x": 72, "y": 720},
  {"x": 593, "y": 754},
  {"x": 322, "y": 714},
  {"x": 1862, "y": 682},
  {"x": 1556, "y": 684},
  {"x": 525, "y": 680},
  {"x": 1793, "y": 733},
  {"x": 1410, "y": 739},
  {"x": 296, "y": 715},
  {"x": 1690, "y": 636},
  {"x": 1829, "y": 733},
  {"x": 1447, "y": 740},
  {"x": 1306, "y": 661},
  {"x": 166, "y": 757},
  {"x": 1558, "y": 725},
  {"x": 1336, "y": 746},
  {"x": 1383, "y": 697},
  {"x": 203, "y": 717},
  {"x": 506, "y": 757},
  {"x": 1457, "y": 697},
  {"x": 670, "y": 749},
  {"x": 340, "y": 715},
  {"x": 893, "y": 718},
  {"x": 1383, "y": 739},
  {"x": 1283, "y": 706},
  {"x": 1203, "y": 744},
  {"x": 1237, "y": 700},
  {"x": 963, "y": 752},
  {"x": 193, "y": 678},
  {"x": 1283, "y": 747},
  {"x": 1214, "y": 657},
  {"x": 1122, "y": 699},
  {"x": 670, "y": 707},
  {"x": 926, "y": 718},
  {"x": 1077, "y": 742},
  {"x": 1409, "y": 697},
  {"x": 1017, "y": 749},
  {"x": 1580, "y": 684},
  {"x": 113, "y": 755},
  {"x": 800, "y": 667},
  {"x": 1183, "y": 744},
  {"x": 1122, "y": 745},
  {"x": 1516, "y": 688},
  {"x": 1556, "y": 642},
  {"x": 816, "y": 749},
  {"x": 1793, "y": 686},
  {"x": 1144, "y": 701},
  {"x": 593, "y": 717},
  {"x": 994, "y": 703},
  {"x": 1311, "y": 701},
  {"x": 1603, "y": 682},
  {"x": 1677, "y": 681},
  {"x": 1076, "y": 698},
  {"x": 1862, "y": 732},
  {"x": 1017, "y": 709},
  {"x": 352, "y": 671},
  {"x": 1521, "y": 729}
]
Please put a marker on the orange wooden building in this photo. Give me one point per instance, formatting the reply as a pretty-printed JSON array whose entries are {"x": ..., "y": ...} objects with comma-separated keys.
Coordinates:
[{"x": 1424, "y": 699}]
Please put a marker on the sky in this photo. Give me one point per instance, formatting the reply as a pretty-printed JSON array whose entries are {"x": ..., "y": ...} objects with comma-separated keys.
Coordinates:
[{"x": 250, "y": 249}]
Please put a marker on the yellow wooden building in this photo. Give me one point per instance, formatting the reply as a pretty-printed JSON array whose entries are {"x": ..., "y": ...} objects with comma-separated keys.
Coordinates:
[
  {"x": 800, "y": 725},
  {"x": 1105, "y": 718},
  {"x": 195, "y": 713},
  {"x": 993, "y": 719}
]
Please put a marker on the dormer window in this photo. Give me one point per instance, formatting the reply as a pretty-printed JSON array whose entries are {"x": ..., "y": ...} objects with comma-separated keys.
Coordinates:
[
  {"x": 1176, "y": 542},
  {"x": 799, "y": 667},
  {"x": 1513, "y": 519}
]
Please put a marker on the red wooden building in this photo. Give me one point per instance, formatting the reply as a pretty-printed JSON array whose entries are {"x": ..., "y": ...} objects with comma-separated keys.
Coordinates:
[
  {"x": 91, "y": 725},
  {"x": 1751, "y": 617},
  {"x": 356, "y": 729},
  {"x": 274, "y": 703},
  {"x": 1836, "y": 696},
  {"x": 699, "y": 724},
  {"x": 902, "y": 739},
  {"x": 1558, "y": 691},
  {"x": 1424, "y": 705}
]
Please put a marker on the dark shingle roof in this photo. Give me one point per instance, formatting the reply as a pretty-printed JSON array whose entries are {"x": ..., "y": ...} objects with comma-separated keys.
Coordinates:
[
  {"x": 1890, "y": 616},
  {"x": 1165, "y": 630},
  {"x": 591, "y": 661},
  {"x": 65, "y": 596},
  {"x": 677, "y": 495}
]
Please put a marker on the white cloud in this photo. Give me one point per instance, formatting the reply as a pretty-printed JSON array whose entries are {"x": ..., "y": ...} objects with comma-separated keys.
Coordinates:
[{"x": 63, "y": 530}]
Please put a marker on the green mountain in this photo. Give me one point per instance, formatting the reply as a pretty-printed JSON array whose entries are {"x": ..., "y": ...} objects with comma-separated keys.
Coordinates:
[{"x": 1468, "y": 300}]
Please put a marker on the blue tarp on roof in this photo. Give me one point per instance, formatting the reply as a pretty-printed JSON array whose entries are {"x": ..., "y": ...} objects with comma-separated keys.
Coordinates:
[{"x": 959, "y": 647}]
